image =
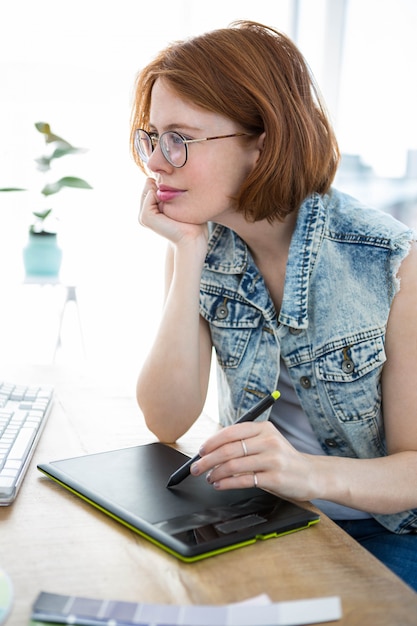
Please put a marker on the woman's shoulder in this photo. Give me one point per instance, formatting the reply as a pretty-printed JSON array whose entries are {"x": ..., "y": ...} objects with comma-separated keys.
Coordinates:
[{"x": 348, "y": 217}]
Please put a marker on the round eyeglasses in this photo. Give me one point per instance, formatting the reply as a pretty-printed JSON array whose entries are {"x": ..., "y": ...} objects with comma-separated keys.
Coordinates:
[{"x": 173, "y": 146}]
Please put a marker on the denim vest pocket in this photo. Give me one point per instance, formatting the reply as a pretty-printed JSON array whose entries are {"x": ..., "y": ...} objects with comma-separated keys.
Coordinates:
[
  {"x": 232, "y": 323},
  {"x": 351, "y": 377}
]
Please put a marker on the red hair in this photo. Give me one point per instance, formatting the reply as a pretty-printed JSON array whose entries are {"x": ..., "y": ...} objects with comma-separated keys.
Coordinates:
[{"x": 257, "y": 77}]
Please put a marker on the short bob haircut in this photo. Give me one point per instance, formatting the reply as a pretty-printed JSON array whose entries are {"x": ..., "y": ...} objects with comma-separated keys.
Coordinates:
[{"x": 255, "y": 76}]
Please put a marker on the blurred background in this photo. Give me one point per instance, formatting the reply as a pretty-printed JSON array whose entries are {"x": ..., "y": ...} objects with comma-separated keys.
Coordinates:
[{"x": 73, "y": 65}]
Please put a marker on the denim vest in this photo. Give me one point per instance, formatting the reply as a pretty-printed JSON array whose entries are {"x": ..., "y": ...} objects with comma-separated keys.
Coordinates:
[{"x": 339, "y": 286}]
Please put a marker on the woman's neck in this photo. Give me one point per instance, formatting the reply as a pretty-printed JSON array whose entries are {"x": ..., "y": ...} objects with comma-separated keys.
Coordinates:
[{"x": 269, "y": 244}]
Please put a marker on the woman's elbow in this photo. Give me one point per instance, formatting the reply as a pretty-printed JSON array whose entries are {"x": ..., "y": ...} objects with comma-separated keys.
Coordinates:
[
  {"x": 162, "y": 423},
  {"x": 162, "y": 431}
]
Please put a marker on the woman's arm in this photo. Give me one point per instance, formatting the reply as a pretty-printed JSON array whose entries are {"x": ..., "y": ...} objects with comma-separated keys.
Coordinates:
[
  {"x": 172, "y": 385},
  {"x": 382, "y": 485}
]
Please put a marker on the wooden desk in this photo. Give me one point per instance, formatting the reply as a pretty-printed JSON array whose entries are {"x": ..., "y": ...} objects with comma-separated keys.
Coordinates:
[{"x": 51, "y": 541}]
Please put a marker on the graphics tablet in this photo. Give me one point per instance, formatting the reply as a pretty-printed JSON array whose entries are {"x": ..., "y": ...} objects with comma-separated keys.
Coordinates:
[{"x": 191, "y": 521}]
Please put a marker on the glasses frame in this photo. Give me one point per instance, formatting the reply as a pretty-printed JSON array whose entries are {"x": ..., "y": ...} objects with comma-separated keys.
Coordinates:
[{"x": 154, "y": 140}]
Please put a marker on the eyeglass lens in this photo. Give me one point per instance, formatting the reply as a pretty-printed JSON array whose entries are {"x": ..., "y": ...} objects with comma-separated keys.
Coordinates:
[{"x": 171, "y": 143}]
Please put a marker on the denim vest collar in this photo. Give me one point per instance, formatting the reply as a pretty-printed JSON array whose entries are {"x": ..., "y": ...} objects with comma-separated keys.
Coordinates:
[
  {"x": 239, "y": 262},
  {"x": 303, "y": 251}
]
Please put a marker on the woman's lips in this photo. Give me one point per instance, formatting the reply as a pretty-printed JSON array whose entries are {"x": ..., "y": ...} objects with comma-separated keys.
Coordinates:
[{"x": 165, "y": 194}]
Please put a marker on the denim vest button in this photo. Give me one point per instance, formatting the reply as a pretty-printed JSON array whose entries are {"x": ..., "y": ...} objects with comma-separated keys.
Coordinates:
[
  {"x": 222, "y": 312},
  {"x": 305, "y": 382},
  {"x": 331, "y": 443},
  {"x": 348, "y": 366},
  {"x": 295, "y": 331}
]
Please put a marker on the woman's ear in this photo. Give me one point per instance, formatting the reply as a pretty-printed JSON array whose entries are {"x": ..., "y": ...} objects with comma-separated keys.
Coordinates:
[{"x": 260, "y": 143}]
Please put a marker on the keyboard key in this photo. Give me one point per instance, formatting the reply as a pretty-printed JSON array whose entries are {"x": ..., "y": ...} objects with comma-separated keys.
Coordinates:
[
  {"x": 6, "y": 485},
  {"x": 12, "y": 465},
  {"x": 10, "y": 473},
  {"x": 22, "y": 444},
  {"x": 25, "y": 405}
]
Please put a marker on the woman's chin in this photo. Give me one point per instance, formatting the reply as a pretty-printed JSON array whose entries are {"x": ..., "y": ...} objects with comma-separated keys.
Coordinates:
[{"x": 179, "y": 216}]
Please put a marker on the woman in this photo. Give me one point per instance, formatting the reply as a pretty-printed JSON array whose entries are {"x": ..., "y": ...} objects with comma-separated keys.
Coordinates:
[{"x": 295, "y": 285}]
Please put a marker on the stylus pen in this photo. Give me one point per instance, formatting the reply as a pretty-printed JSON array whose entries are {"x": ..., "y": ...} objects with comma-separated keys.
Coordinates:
[{"x": 184, "y": 471}]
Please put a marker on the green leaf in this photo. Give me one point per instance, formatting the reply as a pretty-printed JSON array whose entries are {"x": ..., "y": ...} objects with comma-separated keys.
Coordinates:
[
  {"x": 43, "y": 127},
  {"x": 63, "y": 150},
  {"x": 62, "y": 147},
  {"x": 43, "y": 163},
  {"x": 42, "y": 215},
  {"x": 12, "y": 189},
  {"x": 66, "y": 181},
  {"x": 50, "y": 137}
]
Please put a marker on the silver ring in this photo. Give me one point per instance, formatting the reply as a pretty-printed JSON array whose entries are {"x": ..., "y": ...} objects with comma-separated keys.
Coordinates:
[
  {"x": 255, "y": 479},
  {"x": 245, "y": 450}
]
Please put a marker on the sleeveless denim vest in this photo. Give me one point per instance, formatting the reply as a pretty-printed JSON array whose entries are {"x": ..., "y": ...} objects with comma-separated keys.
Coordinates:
[{"x": 339, "y": 286}]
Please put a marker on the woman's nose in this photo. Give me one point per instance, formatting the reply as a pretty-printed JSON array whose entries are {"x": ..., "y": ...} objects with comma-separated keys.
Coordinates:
[{"x": 157, "y": 161}]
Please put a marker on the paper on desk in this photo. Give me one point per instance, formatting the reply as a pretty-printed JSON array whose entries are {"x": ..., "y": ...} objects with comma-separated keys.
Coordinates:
[
  {"x": 57, "y": 609},
  {"x": 294, "y": 613}
]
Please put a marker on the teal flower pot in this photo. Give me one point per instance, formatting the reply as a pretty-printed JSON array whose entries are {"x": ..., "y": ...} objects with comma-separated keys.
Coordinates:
[{"x": 42, "y": 255}]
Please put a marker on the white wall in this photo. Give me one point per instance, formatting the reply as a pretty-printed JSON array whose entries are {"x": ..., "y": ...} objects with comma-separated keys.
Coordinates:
[{"x": 73, "y": 65}]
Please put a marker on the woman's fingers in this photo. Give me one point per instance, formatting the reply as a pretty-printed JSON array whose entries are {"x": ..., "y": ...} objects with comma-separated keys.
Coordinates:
[{"x": 255, "y": 454}]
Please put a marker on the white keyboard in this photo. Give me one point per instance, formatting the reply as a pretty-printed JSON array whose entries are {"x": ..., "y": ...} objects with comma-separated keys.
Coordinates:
[{"x": 23, "y": 413}]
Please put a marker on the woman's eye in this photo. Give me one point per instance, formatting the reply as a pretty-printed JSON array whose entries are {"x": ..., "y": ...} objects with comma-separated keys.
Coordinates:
[{"x": 177, "y": 140}]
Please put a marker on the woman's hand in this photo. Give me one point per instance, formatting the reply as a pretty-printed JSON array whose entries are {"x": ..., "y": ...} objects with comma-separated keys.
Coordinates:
[
  {"x": 256, "y": 454},
  {"x": 151, "y": 216}
]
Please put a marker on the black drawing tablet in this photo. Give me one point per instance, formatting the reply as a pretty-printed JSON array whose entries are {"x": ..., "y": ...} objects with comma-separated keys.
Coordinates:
[{"x": 191, "y": 521}]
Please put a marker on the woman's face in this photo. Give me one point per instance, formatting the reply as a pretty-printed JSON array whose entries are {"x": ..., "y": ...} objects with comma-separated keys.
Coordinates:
[{"x": 202, "y": 189}]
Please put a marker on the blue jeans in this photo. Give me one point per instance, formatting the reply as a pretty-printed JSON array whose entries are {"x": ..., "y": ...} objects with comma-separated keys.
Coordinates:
[{"x": 397, "y": 552}]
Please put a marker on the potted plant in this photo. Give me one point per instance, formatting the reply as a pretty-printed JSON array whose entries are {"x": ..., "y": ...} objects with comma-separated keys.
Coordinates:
[{"x": 42, "y": 255}]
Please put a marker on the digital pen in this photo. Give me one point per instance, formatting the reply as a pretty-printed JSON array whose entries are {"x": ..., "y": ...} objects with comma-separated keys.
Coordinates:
[{"x": 259, "y": 408}]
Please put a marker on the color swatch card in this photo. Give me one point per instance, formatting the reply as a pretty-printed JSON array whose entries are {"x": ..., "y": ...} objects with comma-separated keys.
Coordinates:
[
  {"x": 59, "y": 609},
  {"x": 6, "y": 596}
]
